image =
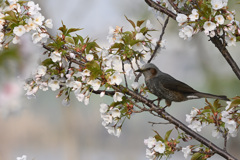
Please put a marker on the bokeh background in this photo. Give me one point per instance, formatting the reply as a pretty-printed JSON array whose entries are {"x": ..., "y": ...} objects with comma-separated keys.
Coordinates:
[{"x": 43, "y": 129}]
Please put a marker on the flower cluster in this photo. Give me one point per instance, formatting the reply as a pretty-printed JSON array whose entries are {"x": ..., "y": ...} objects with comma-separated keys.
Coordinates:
[
  {"x": 111, "y": 117},
  {"x": 225, "y": 119},
  {"x": 154, "y": 148},
  {"x": 20, "y": 17},
  {"x": 212, "y": 18}
]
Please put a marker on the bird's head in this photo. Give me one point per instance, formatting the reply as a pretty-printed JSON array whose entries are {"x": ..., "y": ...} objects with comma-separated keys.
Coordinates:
[{"x": 149, "y": 70}]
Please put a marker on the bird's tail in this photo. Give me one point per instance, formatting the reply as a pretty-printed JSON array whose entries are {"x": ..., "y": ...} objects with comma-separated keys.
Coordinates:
[{"x": 207, "y": 95}]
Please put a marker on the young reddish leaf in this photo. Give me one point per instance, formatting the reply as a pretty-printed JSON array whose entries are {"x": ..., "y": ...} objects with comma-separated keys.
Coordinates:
[
  {"x": 139, "y": 23},
  {"x": 132, "y": 23},
  {"x": 63, "y": 29},
  {"x": 73, "y": 30}
]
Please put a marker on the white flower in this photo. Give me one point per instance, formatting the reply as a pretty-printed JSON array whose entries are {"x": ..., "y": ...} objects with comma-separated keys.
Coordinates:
[
  {"x": 115, "y": 79},
  {"x": 220, "y": 19},
  {"x": 195, "y": 126},
  {"x": 12, "y": 1},
  {"x": 38, "y": 19},
  {"x": 115, "y": 113},
  {"x": 31, "y": 25},
  {"x": 95, "y": 84},
  {"x": 1, "y": 36},
  {"x": 117, "y": 97},
  {"x": 56, "y": 56},
  {"x": 186, "y": 151},
  {"x": 231, "y": 125},
  {"x": 135, "y": 85},
  {"x": 103, "y": 108},
  {"x": 16, "y": 40},
  {"x": 194, "y": 16},
  {"x": 19, "y": 30},
  {"x": 129, "y": 73},
  {"x": 181, "y": 18},
  {"x": 150, "y": 154},
  {"x": 48, "y": 23},
  {"x": 54, "y": 84},
  {"x": 43, "y": 86},
  {"x": 80, "y": 97},
  {"x": 150, "y": 142},
  {"x": 37, "y": 37},
  {"x": 186, "y": 32},
  {"x": 24, "y": 157},
  {"x": 216, "y": 133},
  {"x": 217, "y": 4},
  {"x": 117, "y": 132},
  {"x": 209, "y": 26},
  {"x": 140, "y": 36},
  {"x": 189, "y": 118},
  {"x": 231, "y": 41},
  {"x": 138, "y": 47},
  {"x": 89, "y": 57},
  {"x": 86, "y": 72},
  {"x": 107, "y": 118},
  {"x": 33, "y": 8},
  {"x": 75, "y": 85},
  {"x": 86, "y": 100},
  {"x": 149, "y": 25},
  {"x": 159, "y": 147},
  {"x": 41, "y": 70}
]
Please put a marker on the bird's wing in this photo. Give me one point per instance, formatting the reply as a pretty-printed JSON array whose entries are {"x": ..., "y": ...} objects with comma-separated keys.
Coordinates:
[{"x": 171, "y": 83}]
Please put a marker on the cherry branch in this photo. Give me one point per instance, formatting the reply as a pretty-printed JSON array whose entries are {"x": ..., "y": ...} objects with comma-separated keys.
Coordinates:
[
  {"x": 215, "y": 40},
  {"x": 160, "y": 39},
  {"x": 163, "y": 114}
]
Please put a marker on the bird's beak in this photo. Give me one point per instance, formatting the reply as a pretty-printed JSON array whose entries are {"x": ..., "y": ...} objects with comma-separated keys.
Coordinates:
[{"x": 139, "y": 70}]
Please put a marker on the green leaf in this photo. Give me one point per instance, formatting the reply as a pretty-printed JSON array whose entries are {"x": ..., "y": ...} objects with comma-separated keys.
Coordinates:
[
  {"x": 12, "y": 14},
  {"x": 210, "y": 105},
  {"x": 130, "y": 21},
  {"x": 117, "y": 45},
  {"x": 95, "y": 69},
  {"x": 144, "y": 30},
  {"x": 197, "y": 156},
  {"x": 69, "y": 40},
  {"x": 47, "y": 62},
  {"x": 216, "y": 104},
  {"x": 168, "y": 134},
  {"x": 236, "y": 102},
  {"x": 157, "y": 136},
  {"x": 80, "y": 38},
  {"x": 91, "y": 45}
]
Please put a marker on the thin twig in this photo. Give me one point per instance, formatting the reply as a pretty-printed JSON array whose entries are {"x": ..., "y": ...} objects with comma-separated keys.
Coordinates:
[
  {"x": 154, "y": 123},
  {"x": 161, "y": 9},
  {"x": 125, "y": 78},
  {"x": 160, "y": 39}
]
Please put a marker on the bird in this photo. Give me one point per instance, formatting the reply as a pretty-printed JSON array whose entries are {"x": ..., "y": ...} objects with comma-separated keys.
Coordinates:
[{"x": 164, "y": 86}]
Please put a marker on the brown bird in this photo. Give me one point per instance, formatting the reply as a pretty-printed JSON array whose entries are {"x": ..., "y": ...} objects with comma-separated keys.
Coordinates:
[{"x": 166, "y": 87}]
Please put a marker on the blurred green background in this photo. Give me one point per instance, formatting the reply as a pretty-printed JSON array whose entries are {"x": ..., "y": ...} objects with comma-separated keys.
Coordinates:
[{"x": 43, "y": 129}]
